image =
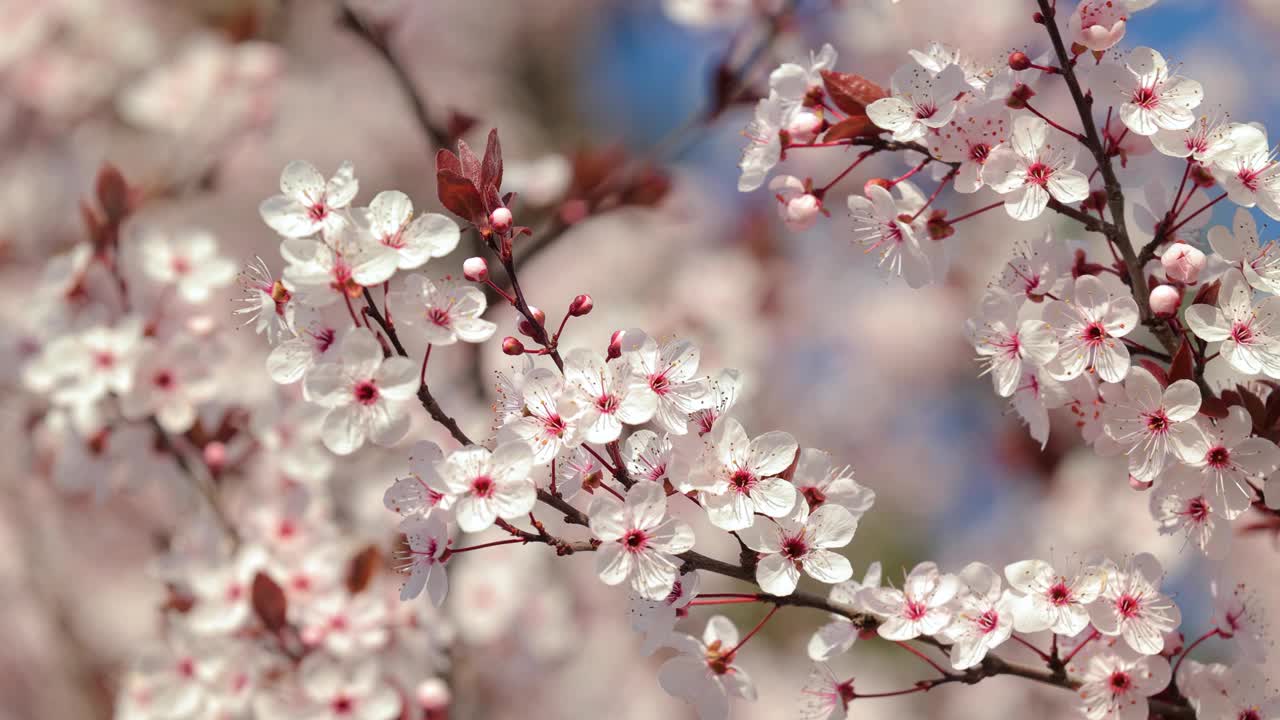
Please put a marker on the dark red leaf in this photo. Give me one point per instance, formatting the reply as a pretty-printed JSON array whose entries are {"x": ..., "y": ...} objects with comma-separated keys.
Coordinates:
[
  {"x": 1207, "y": 294},
  {"x": 446, "y": 160},
  {"x": 851, "y": 127},
  {"x": 1183, "y": 365},
  {"x": 269, "y": 602},
  {"x": 1153, "y": 368},
  {"x": 489, "y": 194},
  {"x": 851, "y": 93},
  {"x": 460, "y": 196},
  {"x": 1257, "y": 410},
  {"x": 1214, "y": 407},
  {"x": 113, "y": 194},
  {"x": 362, "y": 568},
  {"x": 470, "y": 163},
  {"x": 491, "y": 166}
]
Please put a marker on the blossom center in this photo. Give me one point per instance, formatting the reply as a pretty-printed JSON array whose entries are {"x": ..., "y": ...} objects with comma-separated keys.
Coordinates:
[
  {"x": 318, "y": 212},
  {"x": 988, "y": 621},
  {"x": 607, "y": 404},
  {"x": 324, "y": 339},
  {"x": 1059, "y": 594},
  {"x": 554, "y": 425},
  {"x": 978, "y": 153},
  {"x": 1119, "y": 682},
  {"x": 659, "y": 384},
  {"x": 1146, "y": 98},
  {"x": 1157, "y": 422},
  {"x": 813, "y": 496},
  {"x": 1128, "y": 606},
  {"x": 742, "y": 480},
  {"x": 926, "y": 111},
  {"x": 914, "y": 610},
  {"x": 794, "y": 548},
  {"x": 635, "y": 540},
  {"x": 482, "y": 486},
  {"x": 342, "y": 705},
  {"x": 104, "y": 359},
  {"x": 1197, "y": 510},
  {"x": 1218, "y": 457},
  {"x": 438, "y": 317},
  {"x": 1094, "y": 333},
  {"x": 163, "y": 380},
  {"x": 366, "y": 393},
  {"x": 1242, "y": 333},
  {"x": 1039, "y": 174}
]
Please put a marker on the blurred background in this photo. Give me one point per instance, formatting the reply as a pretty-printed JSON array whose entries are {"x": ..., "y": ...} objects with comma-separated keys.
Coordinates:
[{"x": 200, "y": 103}]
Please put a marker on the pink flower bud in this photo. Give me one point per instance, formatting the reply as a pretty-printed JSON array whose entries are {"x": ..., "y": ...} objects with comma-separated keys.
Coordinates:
[
  {"x": 215, "y": 456},
  {"x": 1183, "y": 263},
  {"x": 801, "y": 211},
  {"x": 538, "y": 316},
  {"x": 1019, "y": 61},
  {"x": 500, "y": 219},
  {"x": 1140, "y": 485},
  {"x": 512, "y": 346},
  {"x": 433, "y": 694},
  {"x": 475, "y": 269},
  {"x": 1165, "y": 301},
  {"x": 804, "y": 127},
  {"x": 615, "y": 345},
  {"x": 526, "y": 328},
  {"x": 581, "y": 305}
]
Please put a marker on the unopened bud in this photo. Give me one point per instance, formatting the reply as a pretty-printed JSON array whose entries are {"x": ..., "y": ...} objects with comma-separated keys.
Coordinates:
[
  {"x": 500, "y": 219},
  {"x": 1183, "y": 263},
  {"x": 1022, "y": 92},
  {"x": 801, "y": 211},
  {"x": 1140, "y": 485},
  {"x": 512, "y": 346},
  {"x": 615, "y": 346},
  {"x": 433, "y": 694},
  {"x": 215, "y": 456},
  {"x": 885, "y": 183},
  {"x": 1019, "y": 61},
  {"x": 475, "y": 269},
  {"x": 1165, "y": 301},
  {"x": 804, "y": 127},
  {"x": 1201, "y": 176},
  {"x": 938, "y": 226},
  {"x": 581, "y": 305}
]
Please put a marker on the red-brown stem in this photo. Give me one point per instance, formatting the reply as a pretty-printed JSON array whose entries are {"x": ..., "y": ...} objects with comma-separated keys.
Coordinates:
[
  {"x": 945, "y": 181},
  {"x": 1188, "y": 218},
  {"x": 1043, "y": 655},
  {"x": 422, "y": 376},
  {"x": 912, "y": 171},
  {"x": 350, "y": 309},
  {"x": 1042, "y": 116},
  {"x": 753, "y": 632},
  {"x": 1094, "y": 636},
  {"x": 861, "y": 156},
  {"x": 724, "y": 601},
  {"x": 481, "y": 546},
  {"x": 979, "y": 211},
  {"x": 1212, "y": 633},
  {"x": 1186, "y": 173},
  {"x": 922, "y": 656}
]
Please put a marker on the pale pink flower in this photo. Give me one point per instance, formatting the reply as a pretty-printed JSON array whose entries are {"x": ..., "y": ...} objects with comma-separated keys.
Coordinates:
[
  {"x": 825, "y": 697},
  {"x": 801, "y": 541},
  {"x": 1233, "y": 461},
  {"x": 655, "y": 620},
  {"x": 1004, "y": 344},
  {"x": 547, "y": 419},
  {"x": 308, "y": 204},
  {"x": 364, "y": 393},
  {"x": 737, "y": 475},
  {"x": 1031, "y": 169},
  {"x": 703, "y": 674},
  {"x": 428, "y": 540},
  {"x": 671, "y": 372},
  {"x": 969, "y": 141},
  {"x": 839, "y": 633},
  {"x": 389, "y": 221},
  {"x": 1153, "y": 424},
  {"x": 639, "y": 542},
  {"x": 820, "y": 482},
  {"x": 1053, "y": 601},
  {"x": 1116, "y": 687},
  {"x": 1241, "y": 248},
  {"x": 1089, "y": 328},
  {"x": 607, "y": 394},
  {"x": 188, "y": 261},
  {"x": 1147, "y": 97},
  {"x": 1246, "y": 330},
  {"x": 921, "y": 101},
  {"x": 444, "y": 311},
  {"x": 487, "y": 485},
  {"x": 1132, "y": 606},
  {"x": 922, "y": 607},
  {"x": 983, "y": 617},
  {"x": 353, "y": 690}
]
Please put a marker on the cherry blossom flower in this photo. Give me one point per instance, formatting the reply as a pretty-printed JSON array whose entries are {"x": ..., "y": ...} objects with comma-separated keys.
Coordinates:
[
  {"x": 1116, "y": 687},
  {"x": 428, "y": 540},
  {"x": 970, "y": 140},
  {"x": 308, "y": 204},
  {"x": 548, "y": 418},
  {"x": 703, "y": 674},
  {"x": 878, "y": 227},
  {"x": 187, "y": 676},
  {"x": 265, "y": 302},
  {"x": 1244, "y": 697},
  {"x": 315, "y": 336},
  {"x": 797, "y": 206},
  {"x": 639, "y": 541},
  {"x": 1004, "y": 344},
  {"x": 343, "y": 624},
  {"x": 188, "y": 261},
  {"x": 737, "y": 475},
  {"x": 825, "y": 697},
  {"x": 921, "y": 101},
  {"x": 1035, "y": 394},
  {"x": 936, "y": 57},
  {"x": 1153, "y": 423},
  {"x": 1249, "y": 172},
  {"x": 223, "y": 593},
  {"x": 575, "y": 469},
  {"x": 839, "y": 633},
  {"x": 347, "y": 690},
  {"x": 319, "y": 273},
  {"x": 794, "y": 82},
  {"x": 983, "y": 618},
  {"x": 487, "y": 485},
  {"x": 1238, "y": 616},
  {"x": 1260, "y": 264},
  {"x": 670, "y": 371},
  {"x": 608, "y": 395},
  {"x": 1098, "y": 24},
  {"x": 764, "y": 140},
  {"x": 647, "y": 455},
  {"x": 801, "y": 541},
  {"x": 413, "y": 494},
  {"x": 169, "y": 383},
  {"x": 1031, "y": 169},
  {"x": 95, "y": 362},
  {"x": 365, "y": 394},
  {"x": 922, "y": 607},
  {"x": 1053, "y": 601},
  {"x": 725, "y": 390},
  {"x": 1132, "y": 606},
  {"x": 1232, "y": 462},
  {"x": 389, "y": 221},
  {"x": 443, "y": 310},
  {"x": 1180, "y": 505},
  {"x": 1205, "y": 140},
  {"x": 656, "y": 619},
  {"x": 819, "y": 482},
  {"x": 1147, "y": 97},
  {"x": 1039, "y": 269},
  {"x": 1089, "y": 328},
  {"x": 708, "y": 13}
]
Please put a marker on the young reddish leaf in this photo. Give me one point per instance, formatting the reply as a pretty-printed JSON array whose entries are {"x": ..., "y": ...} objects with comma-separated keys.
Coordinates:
[
  {"x": 269, "y": 602},
  {"x": 362, "y": 568},
  {"x": 1257, "y": 410},
  {"x": 460, "y": 196},
  {"x": 491, "y": 167},
  {"x": 1207, "y": 294},
  {"x": 851, "y": 127},
  {"x": 1183, "y": 365},
  {"x": 851, "y": 93},
  {"x": 113, "y": 194},
  {"x": 446, "y": 160},
  {"x": 489, "y": 194},
  {"x": 470, "y": 163},
  {"x": 1214, "y": 407},
  {"x": 1150, "y": 366}
]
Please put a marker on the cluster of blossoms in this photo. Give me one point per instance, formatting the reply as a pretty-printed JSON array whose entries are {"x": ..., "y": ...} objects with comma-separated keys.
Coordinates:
[{"x": 624, "y": 448}]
